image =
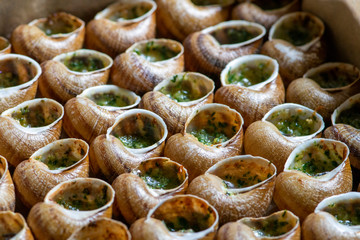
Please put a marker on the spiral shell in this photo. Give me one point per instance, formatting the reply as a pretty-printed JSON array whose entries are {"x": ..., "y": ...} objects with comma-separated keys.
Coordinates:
[
  {"x": 13, "y": 226},
  {"x": 61, "y": 83},
  {"x": 147, "y": 63},
  {"x": 237, "y": 187},
  {"x": 179, "y": 18},
  {"x": 5, "y": 45},
  {"x": 154, "y": 180},
  {"x": 85, "y": 119},
  {"x": 255, "y": 101},
  {"x": 7, "y": 190},
  {"x": 32, "y": 40},
  {"x": 109, "y": 156},
  {"x": 178, "y": 218},
  {"x": 265, "y": 13},
  {"x": 175, "y": 98},
  {"x": 112, "y": 33},
  {"x": 19, "y": 76},
  {"x": 57, "y": 217},
  {"x": 57, "y": 162},
  {"x": 42, "y": 119},
  {"x": 316, "y": 169}
]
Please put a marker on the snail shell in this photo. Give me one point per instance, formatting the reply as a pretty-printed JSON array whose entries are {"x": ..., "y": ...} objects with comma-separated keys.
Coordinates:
[
  {"x": 300, "y": 192},
  {"x": 31, "y": 40},
  {"x": 166, "y": 101},
  {"x": 179, "y": 18},
  {"x": 348, "y": 134},
  {"x": 265, "y": 13},
  {"x": 308, "y": 92},
  {"x": 237, "y": 187},
  {"x": 48, "y": 167},
  {"x": 102, "y": 228},
  {"x": 322, "y": 224},
  {"x": 109, "y": 157},
  {"x": 57, "y": 217},
  {"x": 112, "y": 33},
  {"x": 255, "y": 101},
  {"x": 296, "y": 55},
  {"x": 188, "y": 217},
  {"x": 209, "y": 50},
  {"x": 143, "y": 66},
  {"x": 85, "y": 119},
  {"x": 7, "y": 190},
  {"x": 138, "y": 192},
  {"x": 263, "y": 138},
  {"x": 19, "y": 142},
  {"x": 5, "y": 45},
  {"x": 61, "y": 83},
  {"x": 13, "y": 226},
  {"x": 196, "y": 156},
  {"x": 24, "y": 73}
]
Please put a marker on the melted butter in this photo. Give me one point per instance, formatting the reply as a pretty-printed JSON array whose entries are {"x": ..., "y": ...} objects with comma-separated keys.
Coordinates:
[
  {"x": 59, "y": 160},
  {"x": 194, "y": 222},
  {"x": 346, "y": 212},
  {"x": 333, "y": 78},
  {"x": 83, "y": 63},
  {"x": 8, "y": 79},
  {"x": 272, "y": 227},
  {"x": 34, "y": 116},
  {"x": 350, "y": 116},
  {"x": 233, "y": 35},
  {"x": 130, "y": 12},
  {"x": 52, "y": 27},
  {"x": 153, "y": 52},
  {"x": 110, "y": 99},
  {"x": 160, "y": 178}
]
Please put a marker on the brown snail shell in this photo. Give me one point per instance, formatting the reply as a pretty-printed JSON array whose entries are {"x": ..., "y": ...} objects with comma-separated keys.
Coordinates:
[
  {"x": 85, "y": 119},
  {"x": 225, "y": 186},
  {"x": 308, "y": 92},
  {"x": 102, "y": 228},
  {"x": 109, "y": 157},
  {"x": 263, "y": 138},
  {"x": 115, "y": 36},
  {"x": 13, "y": 226},
  {"x": 175, "y": 112},
  {"x": 171, "y": 15},
  {"x": 7, "y": 190},
  {"x": 209, "y": 50},
  {"x": 255, "y": 101},
  {"x": 35, "y": 177},
  {"x": 197, "y": 157},
  {"x": 5, "y": 45},
  {"x": 26, "y": 71},
  {"x": 196, "y": 212},
  {"x": 31, "y": 40},
  {"x": 300, "y": 192},
  {"x": 266, "y": 15},
  {"x": 52, "y": 220},
  {"x": 323, "y": 225},
  {"x": 61, "y": 83},
  {"x": 135, "y": 197},
  {"x": 346, "y": 133},
  {"x": 295, "y": 58},
  {"x": 136, "y": 73},
  {"x": 18, "y": 142}
]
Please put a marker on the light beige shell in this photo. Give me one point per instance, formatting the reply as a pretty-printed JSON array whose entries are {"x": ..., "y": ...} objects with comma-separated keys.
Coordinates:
[
  {"x": 293, "y": 60},
  {"x": 197, "y": 157},
  {"x": 114, "y": 37},
  {"x": 134, "y": 72},
  {"x": 300, "y": 193},
  {"x": 108, "y": 155},
  {"x": 7, "y": 190},
  {"x": 28, "y": 72},
  {"x": 30, "y": 40},
  {"x": 33, "y": 179},
  {"x": 255, "y": 101},
  {"x": 179, "y": 18},
  {"x": 176, "y": 113},
  {"x": 60, "y": 83},
  {"x": 13, "y": 226},
  {"x": 233, "y": 203},
  {"x": 252, "y": 11},
  {"x": 134, "y": 198},
  {"x": 208, "y": 52},
  {"x": 5, "y": 46},
  {"x": 50, "y": 220},
  {"x": 85, "y": 119},
  {"x": 188, "y": 207},
  {"x": 18, "y": 142}
]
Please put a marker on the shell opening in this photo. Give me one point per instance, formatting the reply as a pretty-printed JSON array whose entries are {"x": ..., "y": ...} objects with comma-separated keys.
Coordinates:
[
  {"x": 157, "y": 50},
  {"x": 212, "y": 2},
  {"x": 58, "y": 24},
  {"x": 129, "y": 11},
  {"x": 4, "y": 44},
  {"x": 346, "y": 212},
  {"x": 11, "y": 224},
  {"x": 271, "y": 4},
  {"x": 235, "y": 34},
  {"x": 160, "y": 173},
  {"x": 349, "y": 113}
]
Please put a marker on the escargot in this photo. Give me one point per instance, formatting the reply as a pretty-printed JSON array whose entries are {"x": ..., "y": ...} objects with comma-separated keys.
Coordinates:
[
  {"x": 5, "y": 45},
  {"x": 13, "y": 226},
  {"x": 7, "y": 190}
]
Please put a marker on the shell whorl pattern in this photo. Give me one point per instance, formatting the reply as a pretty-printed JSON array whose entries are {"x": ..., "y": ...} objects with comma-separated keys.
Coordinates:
[
  {"x": 7, "y": 190},
  {"x": 14, "y": 225}
]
